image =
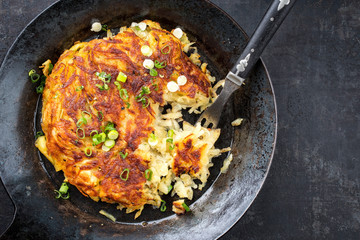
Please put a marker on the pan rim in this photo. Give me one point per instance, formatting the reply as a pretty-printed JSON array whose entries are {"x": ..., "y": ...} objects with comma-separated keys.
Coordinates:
[{"x": 262, "y": 65}]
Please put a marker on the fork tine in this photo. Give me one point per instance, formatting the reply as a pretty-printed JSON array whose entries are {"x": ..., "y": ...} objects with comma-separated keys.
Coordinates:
[{"x": 212, "y": 114}]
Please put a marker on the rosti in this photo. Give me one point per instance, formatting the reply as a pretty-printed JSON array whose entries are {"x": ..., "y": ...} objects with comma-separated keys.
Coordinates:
[{"x": 105, "y": 124}]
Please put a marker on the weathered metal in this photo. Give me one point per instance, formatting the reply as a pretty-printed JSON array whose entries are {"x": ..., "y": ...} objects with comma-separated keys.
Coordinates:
[{"x": 30, "y": 178}]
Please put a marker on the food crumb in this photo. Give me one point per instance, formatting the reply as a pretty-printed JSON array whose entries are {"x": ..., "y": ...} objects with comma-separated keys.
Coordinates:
[
  {"x": 237, "y": 122},
  {"x": 226, "y": 164},
  {"x": 96, "y": 27}
]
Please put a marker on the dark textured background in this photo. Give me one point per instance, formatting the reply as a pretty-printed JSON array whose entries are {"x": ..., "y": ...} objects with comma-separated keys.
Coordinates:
[{"x": 313, "y": 188}]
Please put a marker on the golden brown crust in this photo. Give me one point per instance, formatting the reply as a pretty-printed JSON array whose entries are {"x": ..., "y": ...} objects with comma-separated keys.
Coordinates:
[
  {"x": 188, "y": 158},
  {"x": 98, "y": 175}
]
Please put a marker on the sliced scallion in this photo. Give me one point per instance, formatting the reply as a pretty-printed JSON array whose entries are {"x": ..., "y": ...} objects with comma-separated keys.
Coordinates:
[
  {"x": 165, "y": 49},
  {"x": 105, "y": 148},
  {"x": 109, "y": 143},
  {"x": 108, "y": 215},
  {"x": 104, "y": 27},
  {"x": 123, "y": 94},
  {"x": 121, "y": 77},
  {"x": 63, "y": 191},
  {"x": 146, "y": 50},
  {"x": 101, "y": 87},
  {"x": 160, "y": 64},
  {"x": 123, "y": 155},
  {"x": 163, "y": 206},
  {"x": 113, "y": 134},
  {"x": 125, "y": 174},
  {"x": 153, "y": 72},
  {"x": 152, "y": 140},
  {"x": 40, "y": 89},
  {"x": 170, "y": 139},
  {"x": 51, "y": 66},
  {"x": 39, "y": 134},
  {"x": 31, "y": 72},
  {"x": 148, "y": 174},
  {"x": 170, "y": 188},
  {"x": 82, "y": 135},
  {"x": 79, "y": 88},
  {"x": 118, "y": 85},
  {"x": 88, "y": 151},
  {"x": 185, "y": 207},
  {"x": 95, "y": 132},
  {"x": 103, "y": 76},
  {"x": 81, "y": 121},
  {"x": 109, "y": 126},
  {"x": 98, "y": 138},
  {"x": 34, "y": 77}
]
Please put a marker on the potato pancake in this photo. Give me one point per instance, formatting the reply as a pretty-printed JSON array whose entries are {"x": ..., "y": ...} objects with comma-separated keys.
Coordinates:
[{"x": 104, "y": 120}]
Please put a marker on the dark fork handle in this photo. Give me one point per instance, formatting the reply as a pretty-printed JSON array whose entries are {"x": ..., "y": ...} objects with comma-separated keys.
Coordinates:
[{"x": 266, "y": 29}]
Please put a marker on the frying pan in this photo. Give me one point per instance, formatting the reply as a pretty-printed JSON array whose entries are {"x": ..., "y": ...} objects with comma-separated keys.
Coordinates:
[{"x": 30, "y": 178}]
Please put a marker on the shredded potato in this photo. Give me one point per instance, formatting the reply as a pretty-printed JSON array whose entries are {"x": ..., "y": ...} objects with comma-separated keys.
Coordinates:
[{"x": 164, "y": 153}]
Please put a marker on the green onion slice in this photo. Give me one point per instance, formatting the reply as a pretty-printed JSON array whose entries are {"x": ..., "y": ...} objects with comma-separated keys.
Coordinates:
[
  {"x": 103, "y": 76},
  {"x": 126, "y": 173},
  {"x": 186, "y": 207},
  {"x": 145, "y": 102},
  {"x": 108, "y": 215},
  {"x": 81, "y": 121},
  {"x": 105, "y": 148},
  {"x": 51, "y": 66},
  {"x": 123, "y": 156},
  {"x": 79, "y": 88},
  {"x": 127, "y": 105},
  {"x": 34, "y": 77},
  {"x": 153, "y": 72},
  {"x": 163, "y": 206},
  {"x": 118, "y": 85},
  {"x": 39, "y": 134},
  {"x": 104, "y": 27},
  {"x": 40, "y": 89},
  {"x": 98, "y": 138},
  {"x": 121, "y": 77},
  {"x": 93, "y": 131},
  {"x": 88, "y": 151},
  {"x": 148, "y": 174},
  {"x": 81, "y": 136},
  {"x": 110, "y": 126},
  {"x": 171, "y": 133},
  {"x": 109, "y": 143},
  {"x": 165, "y": 49},
  {"x": 113, "y": 134},
  {"x": 152, "y": 140},
  {"x": 170, "y": 188},
  {"x": 123, "y": 94},
  {"x": 83, "y": 113},
  {"x": 160, "y": 64},
  {"x": 31, "y": 72},
  {"x": 63, "y": 191},
  {"x": 101, "y": 87}
]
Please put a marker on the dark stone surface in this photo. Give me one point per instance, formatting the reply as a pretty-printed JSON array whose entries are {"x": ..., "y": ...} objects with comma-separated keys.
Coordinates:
[{"x": 312, "y": 191}]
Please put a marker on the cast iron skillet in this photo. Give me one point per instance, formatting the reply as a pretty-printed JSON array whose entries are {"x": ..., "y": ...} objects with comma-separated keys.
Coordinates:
[{"x": 30, "y": 178}]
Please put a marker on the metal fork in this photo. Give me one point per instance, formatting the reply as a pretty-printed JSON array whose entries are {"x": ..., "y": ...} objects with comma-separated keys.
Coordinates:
[{"x": 266, "y": 29}]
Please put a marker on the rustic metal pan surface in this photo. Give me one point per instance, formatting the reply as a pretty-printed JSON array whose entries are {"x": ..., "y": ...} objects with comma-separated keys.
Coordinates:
[{"x": 30, "y": 178}]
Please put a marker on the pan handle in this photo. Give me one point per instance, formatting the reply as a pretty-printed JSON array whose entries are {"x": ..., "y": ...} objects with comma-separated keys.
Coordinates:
[
  {"x": 271, "y": 21},
  {"x": 9, "y": 218}
]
